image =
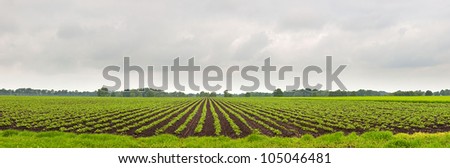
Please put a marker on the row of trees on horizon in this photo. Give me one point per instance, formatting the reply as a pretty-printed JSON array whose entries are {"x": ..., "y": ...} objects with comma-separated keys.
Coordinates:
[{"x": 149, "y": 92}]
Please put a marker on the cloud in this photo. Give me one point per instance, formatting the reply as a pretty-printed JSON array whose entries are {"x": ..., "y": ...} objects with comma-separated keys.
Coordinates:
[
  {"x": 70, "y": 31},
  {"x": 50, "y": 37},
  {"x": 251, "y": 46}
]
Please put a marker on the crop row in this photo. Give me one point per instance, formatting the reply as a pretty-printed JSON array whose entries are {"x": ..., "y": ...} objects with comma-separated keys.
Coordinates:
[{"x": 235, "y": 117}]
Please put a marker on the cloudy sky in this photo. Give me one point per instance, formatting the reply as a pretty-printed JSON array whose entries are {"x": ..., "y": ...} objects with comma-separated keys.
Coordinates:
[{"x": 386, "y": 45}]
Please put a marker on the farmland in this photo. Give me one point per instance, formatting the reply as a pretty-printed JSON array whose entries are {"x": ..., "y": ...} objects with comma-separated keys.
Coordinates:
[{"x": 225, "y": 117}]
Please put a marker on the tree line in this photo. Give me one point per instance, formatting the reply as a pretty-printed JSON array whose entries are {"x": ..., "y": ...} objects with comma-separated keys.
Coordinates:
[
  {"x": 149, "y": 92},
  {"x": 324, "y": 93},
  {"x": 44, "y": 92}
]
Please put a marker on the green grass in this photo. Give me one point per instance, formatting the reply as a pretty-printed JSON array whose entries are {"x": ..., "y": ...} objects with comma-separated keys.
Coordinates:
[
  {"x": 422, "y": 99},
  {"x": 27, "y": 139}
]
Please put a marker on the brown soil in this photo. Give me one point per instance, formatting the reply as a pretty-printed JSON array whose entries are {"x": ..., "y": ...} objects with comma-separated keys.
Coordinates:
[
  {"x": 284, "y": 131},
  {"x": 252, "y": 124},
  {"x": 152, "y": 130},
  {"x": 227, "y": 130},
  {"x": 190, "y": 127},
  {"x": 172, "y": 128},
  {"x": 208, "y": 126},
  {"x": 244, "y": 129}
]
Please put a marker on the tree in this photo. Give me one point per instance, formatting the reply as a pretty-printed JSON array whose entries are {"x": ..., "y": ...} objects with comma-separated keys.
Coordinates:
[
  {"x": 226, "y": 94},
  {"x": 248, "y": 94},
  {"x": 135, "y": 93},
  {"x": 429, "y": 93},
  {"x": 126, "y": 93},
  {"x": 103, "y": 92},
  {"x": 278, "y": 93},
  {"x": 204, "y": 94},
  {"x": 213, "y": 94}
]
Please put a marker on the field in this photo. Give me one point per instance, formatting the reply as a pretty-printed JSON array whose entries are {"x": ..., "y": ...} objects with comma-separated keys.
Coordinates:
[
  {"x": 379, "y": 139},
  {"x": 232, "y": 118}
]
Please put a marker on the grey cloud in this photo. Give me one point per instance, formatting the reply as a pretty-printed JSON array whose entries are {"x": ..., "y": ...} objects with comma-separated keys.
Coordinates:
[
  {"x": 253, "y": 47},
  {"x": 60, "y": 37},
  {"x": 70, "y": 31}
]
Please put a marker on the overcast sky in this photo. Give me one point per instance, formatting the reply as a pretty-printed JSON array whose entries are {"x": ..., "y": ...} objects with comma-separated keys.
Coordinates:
[{"x": 386, "y": 45}]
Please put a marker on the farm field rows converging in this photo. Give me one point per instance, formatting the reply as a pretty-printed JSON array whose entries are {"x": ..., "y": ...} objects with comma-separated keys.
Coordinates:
[{"x": 231, "y": 117}]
